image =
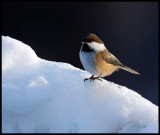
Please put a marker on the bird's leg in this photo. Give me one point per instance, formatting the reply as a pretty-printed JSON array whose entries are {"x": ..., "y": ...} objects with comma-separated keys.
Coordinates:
[
  {"x": 98, "y": 78},
  {"x": 91, "y": 78}
]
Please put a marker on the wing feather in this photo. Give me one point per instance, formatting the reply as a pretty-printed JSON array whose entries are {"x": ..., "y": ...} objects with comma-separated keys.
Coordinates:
[{"x": 110, "y": 58}]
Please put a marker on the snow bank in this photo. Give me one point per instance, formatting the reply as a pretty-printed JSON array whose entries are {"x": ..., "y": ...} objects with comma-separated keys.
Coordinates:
[{"x": 40, "y": 96}]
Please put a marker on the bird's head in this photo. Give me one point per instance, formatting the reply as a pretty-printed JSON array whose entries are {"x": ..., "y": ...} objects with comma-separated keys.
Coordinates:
[{"x": 93, "y": 43}]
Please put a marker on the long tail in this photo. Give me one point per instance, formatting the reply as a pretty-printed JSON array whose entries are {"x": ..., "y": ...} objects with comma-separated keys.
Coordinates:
[{"x": 129, "y": 70}]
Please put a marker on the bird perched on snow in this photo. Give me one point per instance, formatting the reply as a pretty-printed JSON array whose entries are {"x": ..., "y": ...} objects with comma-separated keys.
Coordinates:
[{"x": 97, "y": 60}]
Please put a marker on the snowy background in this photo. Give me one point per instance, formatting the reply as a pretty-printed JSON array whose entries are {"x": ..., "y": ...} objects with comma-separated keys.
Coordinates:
[{"x": 40, "y": 96}]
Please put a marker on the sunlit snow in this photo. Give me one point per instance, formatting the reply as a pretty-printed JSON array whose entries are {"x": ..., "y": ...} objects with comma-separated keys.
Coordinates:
[{"x": 40, "y": 96}]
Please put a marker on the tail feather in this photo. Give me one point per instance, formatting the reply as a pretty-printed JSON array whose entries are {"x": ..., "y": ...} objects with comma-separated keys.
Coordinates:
[{"x": 129, "y": 70}]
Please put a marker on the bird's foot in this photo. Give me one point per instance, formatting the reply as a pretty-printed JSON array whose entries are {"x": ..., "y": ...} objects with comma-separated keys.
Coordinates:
[
  {"x": 93, "y": 78},
  {"x": 98, "y": 78}
]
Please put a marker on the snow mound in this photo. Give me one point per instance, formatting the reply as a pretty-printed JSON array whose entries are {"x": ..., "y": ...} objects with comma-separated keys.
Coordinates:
[{"x": 40, "y": 96}]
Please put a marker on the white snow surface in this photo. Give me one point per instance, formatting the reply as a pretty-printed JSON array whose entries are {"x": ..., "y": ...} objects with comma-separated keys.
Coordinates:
[{"x": 40, "y": 96}]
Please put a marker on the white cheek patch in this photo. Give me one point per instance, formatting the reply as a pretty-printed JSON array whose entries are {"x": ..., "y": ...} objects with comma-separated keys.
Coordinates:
[{"x": 97, "y": 46}]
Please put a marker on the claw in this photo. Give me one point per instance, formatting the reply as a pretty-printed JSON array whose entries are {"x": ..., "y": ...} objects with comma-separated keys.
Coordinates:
[{"x": 88, "y": 78}]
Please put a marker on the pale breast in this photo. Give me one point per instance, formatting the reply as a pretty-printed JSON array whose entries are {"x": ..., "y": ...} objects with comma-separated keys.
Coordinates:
[{"x": 88, "y": 62}]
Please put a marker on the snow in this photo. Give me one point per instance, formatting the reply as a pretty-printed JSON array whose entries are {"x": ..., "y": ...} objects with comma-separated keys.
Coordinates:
[{"x": 40, "y": 96}]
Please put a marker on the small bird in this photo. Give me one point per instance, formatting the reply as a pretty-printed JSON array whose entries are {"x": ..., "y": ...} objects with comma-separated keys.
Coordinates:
[{"x": 97, "y": 60}]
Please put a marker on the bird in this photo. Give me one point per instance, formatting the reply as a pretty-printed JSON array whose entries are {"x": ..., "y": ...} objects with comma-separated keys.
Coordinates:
[{"x": 97, "y": 60}]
